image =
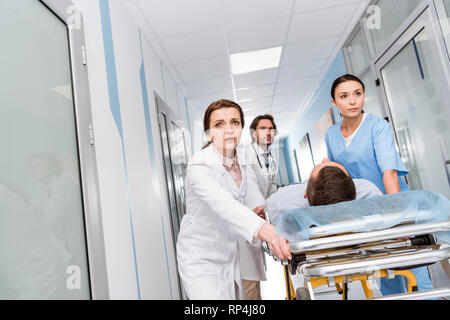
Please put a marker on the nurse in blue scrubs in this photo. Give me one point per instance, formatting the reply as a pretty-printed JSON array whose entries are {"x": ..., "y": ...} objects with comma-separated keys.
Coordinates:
[{"x": 364, "y": 145}]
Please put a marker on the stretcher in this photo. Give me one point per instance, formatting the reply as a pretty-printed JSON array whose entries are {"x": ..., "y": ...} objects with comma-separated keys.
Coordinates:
[{"x": 389, "y": 241}]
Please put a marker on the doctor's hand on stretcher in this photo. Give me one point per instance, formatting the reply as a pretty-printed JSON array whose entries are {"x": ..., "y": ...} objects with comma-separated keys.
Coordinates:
[
  {"x": 278, "y": 246},
  {"x": 260, "y": 211}
]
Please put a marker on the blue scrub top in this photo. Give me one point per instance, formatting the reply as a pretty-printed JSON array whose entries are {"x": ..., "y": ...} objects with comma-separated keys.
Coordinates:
[{"x": 371, "y": 152}]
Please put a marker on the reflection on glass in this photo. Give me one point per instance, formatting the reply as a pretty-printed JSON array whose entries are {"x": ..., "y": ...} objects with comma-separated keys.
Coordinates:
[
  {"x": 305, "y": 158},
  {"x": 295, "y": 160},
  {"x": 357, "y": 53},
  {"x": 371, "y": 102},
  {"x": 179, "y": 163},
  {"x": 393, "y": 14},
  {"x": 169, "y": 177},
  {"x": 420, "y": 114},
  {"x": 42, "y": 237},
  {"x": 446, "y": 25}
]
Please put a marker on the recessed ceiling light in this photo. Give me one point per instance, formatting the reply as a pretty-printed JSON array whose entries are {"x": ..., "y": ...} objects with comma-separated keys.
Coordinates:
[{"x": 250, "y": 61}]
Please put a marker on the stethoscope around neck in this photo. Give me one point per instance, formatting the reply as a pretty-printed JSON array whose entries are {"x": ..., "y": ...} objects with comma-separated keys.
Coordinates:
[{"x": 257, "y": 156}]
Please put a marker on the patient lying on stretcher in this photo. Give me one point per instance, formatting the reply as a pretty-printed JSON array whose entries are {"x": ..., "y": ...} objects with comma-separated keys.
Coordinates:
[
  {"x": 331, "y": 188},
  {"x": 329, "y": 183}
]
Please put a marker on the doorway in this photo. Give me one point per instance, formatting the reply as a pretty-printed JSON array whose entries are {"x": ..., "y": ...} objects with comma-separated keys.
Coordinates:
[{"x": 174, "y": 145}]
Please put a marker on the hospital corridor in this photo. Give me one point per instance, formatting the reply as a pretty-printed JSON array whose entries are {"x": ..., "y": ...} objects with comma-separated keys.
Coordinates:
[{"x": 248, "y": 150}]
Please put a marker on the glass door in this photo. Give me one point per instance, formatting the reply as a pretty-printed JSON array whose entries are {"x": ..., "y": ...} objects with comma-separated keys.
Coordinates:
[
  {"x": 176, "y": 157},
  {"x": 42, "y": 228},
  {"x": 413, "y": 73},
  {"x": 171, "y": 191},
  {"x": 174, "y": 145}
]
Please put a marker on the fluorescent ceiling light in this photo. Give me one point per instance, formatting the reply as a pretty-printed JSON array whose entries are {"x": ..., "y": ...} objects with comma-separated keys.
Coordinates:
[{"x": 255, "y": 60}]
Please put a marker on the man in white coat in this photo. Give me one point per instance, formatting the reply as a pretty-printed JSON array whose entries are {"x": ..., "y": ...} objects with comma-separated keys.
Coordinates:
[{"x": 261, "y": 161}]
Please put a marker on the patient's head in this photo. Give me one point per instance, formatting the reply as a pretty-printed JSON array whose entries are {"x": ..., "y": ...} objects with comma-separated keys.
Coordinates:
[{"x": 329, "y": 183}]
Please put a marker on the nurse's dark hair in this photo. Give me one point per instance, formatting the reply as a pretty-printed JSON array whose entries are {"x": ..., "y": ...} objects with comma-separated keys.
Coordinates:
[
  {"x": 216, "y": 105},
  {"x": 342, "y": 79},
  {"x": 331, "y": 185}
]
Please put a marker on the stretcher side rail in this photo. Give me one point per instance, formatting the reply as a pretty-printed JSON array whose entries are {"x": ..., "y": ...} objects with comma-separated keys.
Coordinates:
[
  {"x": 374, "y": 264},
  {"x": 366, "y": 237}
]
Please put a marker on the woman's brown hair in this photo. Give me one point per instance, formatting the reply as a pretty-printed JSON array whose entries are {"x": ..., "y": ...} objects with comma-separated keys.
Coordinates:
[{"x": 216, "y": 105}]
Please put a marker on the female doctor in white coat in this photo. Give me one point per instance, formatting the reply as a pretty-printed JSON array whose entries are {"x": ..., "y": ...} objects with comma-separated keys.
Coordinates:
[{"x": 218, "y": 198}]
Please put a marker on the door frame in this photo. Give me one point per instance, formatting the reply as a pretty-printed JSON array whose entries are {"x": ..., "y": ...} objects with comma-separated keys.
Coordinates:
[
  {"x": 442, "y": 15},
  {"x": 162, "y": 107},
  {"x": 67, "y": 11}
]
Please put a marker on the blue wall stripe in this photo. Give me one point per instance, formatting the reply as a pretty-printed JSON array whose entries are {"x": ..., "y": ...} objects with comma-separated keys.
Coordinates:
[
  {"x": 114, "y": 104},
  {"x": 151, "y": 147},
  {"x": 110, "y": 64}
]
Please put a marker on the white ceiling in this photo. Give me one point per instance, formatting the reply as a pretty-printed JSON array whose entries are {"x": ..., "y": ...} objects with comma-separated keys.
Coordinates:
[{"x": 194, "y": 39}]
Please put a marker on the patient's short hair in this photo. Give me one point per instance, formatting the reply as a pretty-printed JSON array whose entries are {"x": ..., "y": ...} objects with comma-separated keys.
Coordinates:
[{"x": 331, "y": 185}]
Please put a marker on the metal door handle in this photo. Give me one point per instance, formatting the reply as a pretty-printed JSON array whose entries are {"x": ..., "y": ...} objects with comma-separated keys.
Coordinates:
[
  {"x": 447, "y": 169},
  {"x": 446, "y": 162}
]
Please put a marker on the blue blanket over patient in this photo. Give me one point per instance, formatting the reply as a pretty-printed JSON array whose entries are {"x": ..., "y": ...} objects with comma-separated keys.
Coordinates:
[{"x": 370, "y": 214}]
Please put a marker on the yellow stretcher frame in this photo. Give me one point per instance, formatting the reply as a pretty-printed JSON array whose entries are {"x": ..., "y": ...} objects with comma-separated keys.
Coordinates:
[{"x": 343, "y": 280}]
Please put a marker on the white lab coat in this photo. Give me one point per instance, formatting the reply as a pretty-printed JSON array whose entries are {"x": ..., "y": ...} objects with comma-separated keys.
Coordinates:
[
  {"x": 251, "y": 257},
  {"x": 267, "y": 178},
  {"x": 215, "y": 218}
]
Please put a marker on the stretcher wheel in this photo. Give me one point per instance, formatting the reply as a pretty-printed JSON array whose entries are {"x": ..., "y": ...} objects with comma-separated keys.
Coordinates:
[{"x": 302, "y": 294}]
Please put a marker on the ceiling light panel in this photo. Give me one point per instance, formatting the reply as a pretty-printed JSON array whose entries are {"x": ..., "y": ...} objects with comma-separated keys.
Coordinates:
[{"x": 251, "y": 61}]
